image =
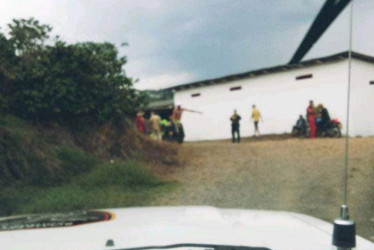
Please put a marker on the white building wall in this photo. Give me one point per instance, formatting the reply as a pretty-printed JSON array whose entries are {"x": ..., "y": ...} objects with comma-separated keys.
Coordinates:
[
  {"x": 362, "y": 99},
  {"x": 280, "y": 99}
]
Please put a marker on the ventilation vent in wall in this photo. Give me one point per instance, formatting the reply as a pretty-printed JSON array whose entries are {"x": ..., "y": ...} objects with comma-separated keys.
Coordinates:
[
  {"x": 302, "y": 77},
  {"x": 236, "y": 88}
]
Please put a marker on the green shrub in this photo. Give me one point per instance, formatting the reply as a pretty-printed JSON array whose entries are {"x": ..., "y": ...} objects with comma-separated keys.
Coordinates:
[
  {"x": 105, "y": 186},
  {"x": 70, "y": 198},
  {"x": 12, "y": 121},
  {"x": 75, "y": 161},
  {"x": 129, "y": 174}
]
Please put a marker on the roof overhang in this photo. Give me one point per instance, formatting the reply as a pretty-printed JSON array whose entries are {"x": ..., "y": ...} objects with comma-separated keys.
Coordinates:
[{"x": 281, "y": 68}]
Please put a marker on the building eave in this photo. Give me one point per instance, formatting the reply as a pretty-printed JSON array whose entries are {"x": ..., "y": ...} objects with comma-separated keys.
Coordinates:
[{"x": 281, "y": 68}]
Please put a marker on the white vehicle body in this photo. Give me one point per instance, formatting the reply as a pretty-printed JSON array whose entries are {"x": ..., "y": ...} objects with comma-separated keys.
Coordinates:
[{"x": 164, "y": 226}]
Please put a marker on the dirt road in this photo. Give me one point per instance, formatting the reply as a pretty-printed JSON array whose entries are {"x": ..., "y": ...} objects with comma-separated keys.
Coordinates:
[{"x": 298, "y": 175}]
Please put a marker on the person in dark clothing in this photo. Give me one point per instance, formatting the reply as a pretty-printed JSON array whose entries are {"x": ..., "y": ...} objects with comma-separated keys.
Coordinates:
[
  {"x": 300, "y": 127},
  {"x": 235, "y": 127},
  {"x": 325, "y": 118},
  {"x": 180, "y": 134}
]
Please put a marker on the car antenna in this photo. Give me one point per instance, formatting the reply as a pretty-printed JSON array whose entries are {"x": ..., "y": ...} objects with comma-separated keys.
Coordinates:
[{"x": 344, "y": 233}]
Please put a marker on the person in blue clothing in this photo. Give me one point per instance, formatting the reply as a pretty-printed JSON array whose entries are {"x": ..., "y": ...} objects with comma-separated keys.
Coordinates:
[{"x": 300, "y": 128}]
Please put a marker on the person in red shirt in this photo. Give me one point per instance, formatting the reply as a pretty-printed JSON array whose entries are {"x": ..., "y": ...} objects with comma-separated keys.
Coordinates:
[
  {"x": 311, "y": 117},
  {"x": 140, "y": 124}
]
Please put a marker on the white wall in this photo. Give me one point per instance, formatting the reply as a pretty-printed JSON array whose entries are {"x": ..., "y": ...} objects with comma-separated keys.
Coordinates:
[
  {"x": 280, "y": 99},
  {"x": 362, "y": 99}
]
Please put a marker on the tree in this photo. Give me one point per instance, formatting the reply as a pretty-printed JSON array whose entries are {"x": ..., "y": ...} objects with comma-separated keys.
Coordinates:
[
  {"x": 28, "y": 35},
  {"x": 68, "y": 83},
  {"x": 7, "y": 60}
]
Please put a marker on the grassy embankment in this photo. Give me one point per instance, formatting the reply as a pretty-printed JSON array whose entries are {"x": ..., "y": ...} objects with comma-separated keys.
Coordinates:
[{"x": 51, "y": 169}]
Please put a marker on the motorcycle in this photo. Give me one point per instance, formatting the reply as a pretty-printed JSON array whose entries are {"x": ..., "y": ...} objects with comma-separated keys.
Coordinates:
[
  {"x": 332, "y": 129},
  {"x": 299, "y": 132}
]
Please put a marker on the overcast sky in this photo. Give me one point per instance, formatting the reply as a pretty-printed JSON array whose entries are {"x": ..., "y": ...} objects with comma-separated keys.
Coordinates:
[{"x": 172, "y": 42}]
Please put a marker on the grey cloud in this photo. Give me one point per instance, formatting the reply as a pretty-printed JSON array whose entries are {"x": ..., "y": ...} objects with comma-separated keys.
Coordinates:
[{"x": 192, "y": 40}]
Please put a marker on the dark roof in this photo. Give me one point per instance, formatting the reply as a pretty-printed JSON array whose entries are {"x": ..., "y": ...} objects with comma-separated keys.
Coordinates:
[{"x": 286, "y": 67}]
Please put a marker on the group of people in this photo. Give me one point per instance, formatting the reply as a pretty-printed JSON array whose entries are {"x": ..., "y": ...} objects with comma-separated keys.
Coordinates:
[
  {"x": 318, "y": 119},
  {"x": 235, "y": 124},
  {"x": 152, "y": 126},
  {"x": 170, "y": 129}
]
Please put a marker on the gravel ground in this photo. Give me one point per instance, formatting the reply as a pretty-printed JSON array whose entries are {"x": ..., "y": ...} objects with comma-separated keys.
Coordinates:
[{"x": 279, "y": 173}]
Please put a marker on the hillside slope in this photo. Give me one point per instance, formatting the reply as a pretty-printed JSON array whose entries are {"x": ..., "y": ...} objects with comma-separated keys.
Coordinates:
[{"x": 51, "y": 168}]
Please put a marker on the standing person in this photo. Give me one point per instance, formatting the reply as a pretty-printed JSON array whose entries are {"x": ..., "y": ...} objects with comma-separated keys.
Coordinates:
[
  {"x": 325, "y": 118},
  {"x": 170, "y": 133},
  {"x": 256, "y": 116},
  {"x": 235, "y": 126},
  {"x": 178, "y": 111},
  {"x": 300, "y": 127},
  {"x": 180, "y": 135},
  {"x": 176, "y": 116},
  {"x": 311, "y": 117},
  {"x": 318, "y": 120},
  {"x": 155, "y": 121},
  {"x": 164, "y": 124},
  {"x": 140, "y": 123}
]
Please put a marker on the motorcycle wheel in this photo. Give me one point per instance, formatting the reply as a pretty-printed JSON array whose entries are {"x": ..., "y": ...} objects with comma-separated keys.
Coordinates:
[
  {"x": 335, "y": 132},
  {"x": 294, "y": 132}
]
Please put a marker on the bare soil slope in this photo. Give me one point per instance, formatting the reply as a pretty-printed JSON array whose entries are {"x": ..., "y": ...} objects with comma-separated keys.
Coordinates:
[{"x": 299, "y": 175}]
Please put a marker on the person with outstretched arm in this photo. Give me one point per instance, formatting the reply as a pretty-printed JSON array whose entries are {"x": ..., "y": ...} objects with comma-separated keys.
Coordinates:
[
  {"x": 178, "y": 111},
  {"x": 176, "y": 116}
]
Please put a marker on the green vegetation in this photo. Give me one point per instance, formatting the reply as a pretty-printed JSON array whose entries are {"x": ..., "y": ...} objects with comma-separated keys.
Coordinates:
[
  {"x": 64, "y": 115},
  {"x": 48, "y": 80},
  {"x": 130, "y": 174},
  {"x": 106, "y": 185},
  {"x": 46, "y": 169},
  {"x": 74, "y": 161}
]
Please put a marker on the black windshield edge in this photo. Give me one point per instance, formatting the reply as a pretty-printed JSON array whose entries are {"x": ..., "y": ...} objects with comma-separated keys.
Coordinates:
[{"x": 220, "y": 247}]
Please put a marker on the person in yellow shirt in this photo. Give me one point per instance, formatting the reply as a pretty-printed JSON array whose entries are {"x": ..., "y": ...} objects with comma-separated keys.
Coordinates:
[
  {"x": 256, "y": 116},
  {"x": 155, "y": 121}
]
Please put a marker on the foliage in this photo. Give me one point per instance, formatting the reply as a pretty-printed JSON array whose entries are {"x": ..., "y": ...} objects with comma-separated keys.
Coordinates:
[
  {"x": 130, "y": 174},
  {"x": 118, "y": 185},
  {"x": 28, "y": 36},
  {"x": 74, "y": 161},
  {"x": 82, "y": 83},
  {"x": 42, "y": 175},
  {"x": 7, "y": 58}
]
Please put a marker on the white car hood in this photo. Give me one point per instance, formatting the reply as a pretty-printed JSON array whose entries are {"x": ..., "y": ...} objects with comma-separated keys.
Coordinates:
[{"x": 163, "y": 226}]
